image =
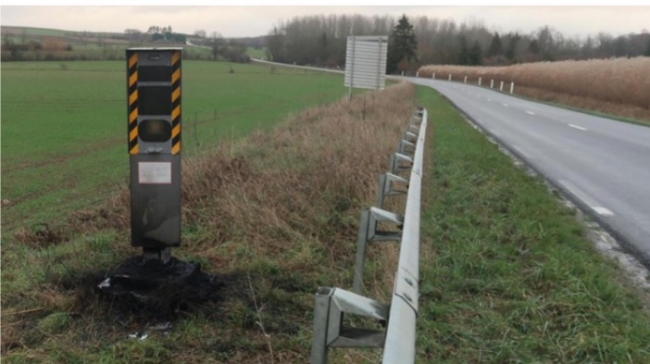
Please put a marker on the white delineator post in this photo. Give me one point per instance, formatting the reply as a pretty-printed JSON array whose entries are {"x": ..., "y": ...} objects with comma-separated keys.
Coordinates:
[
  {"x": 417, "y": 74},
  {"x": 465, "y": 80},
  {"x": 433, "y": 76},
  {"x": 491, "y": 83},
  {"x": 450, "y": 77},
  {"x": 512, "y": 87},
  {"x": 501, "y": 87},
  {"x": 479, "y": 81}
]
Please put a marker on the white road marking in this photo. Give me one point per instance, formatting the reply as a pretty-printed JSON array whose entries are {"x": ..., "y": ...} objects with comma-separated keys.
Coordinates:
[
  {"x": 603, "y": 211},
  {"x": 530, "y": 112},
  {"x": 523, "y": 154},
  {"x": 577, "y": 127},
  {"x": 592, "y": 203},
  {"x": 506, "y": 105},
  {"x": 493, "y": 132}
]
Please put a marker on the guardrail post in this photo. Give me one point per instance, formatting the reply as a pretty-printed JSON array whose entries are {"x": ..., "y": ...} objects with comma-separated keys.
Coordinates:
[
  {"x": 362, "y": 241},
  {"x": 368, "y": 233},
  {"x": 403, "y": 145},
  {"x": 331, "y": 305},
  {"x": 321, "y": 318},
  {"x": 385, "y": 189},
  {"x": 396, "y": 167}
]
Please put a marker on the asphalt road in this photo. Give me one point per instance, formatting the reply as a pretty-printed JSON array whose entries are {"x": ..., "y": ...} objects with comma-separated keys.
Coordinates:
[{"x": 601, "y": 164}]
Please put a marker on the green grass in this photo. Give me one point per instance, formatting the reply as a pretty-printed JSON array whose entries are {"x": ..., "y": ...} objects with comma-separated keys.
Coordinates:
[
  {"x": 511, "y": 277},
  {"x": 256, "y": 53},
  {"x": 64, "y": 125}
]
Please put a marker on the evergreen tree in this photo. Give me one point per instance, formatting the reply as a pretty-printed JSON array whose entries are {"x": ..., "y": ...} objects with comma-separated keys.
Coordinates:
[
  {"x": 533, "y": 47},
  {"x": 463, "y": 53},
  {"x": 496, "y": 48},
  {"x": 647, "y": 49},
  {"x": 475, "y": 54},
  {"x": 402, "y": 45},
  {"x": 511, "y": 52}
]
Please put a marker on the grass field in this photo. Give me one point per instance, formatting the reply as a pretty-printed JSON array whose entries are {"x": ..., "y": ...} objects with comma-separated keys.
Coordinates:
[
  {"x": 64, "y": 125},
  {"x": 256, "y": 53}
]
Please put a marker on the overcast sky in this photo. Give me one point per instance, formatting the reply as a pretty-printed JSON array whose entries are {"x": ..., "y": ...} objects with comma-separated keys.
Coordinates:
[{"x": 240, "y": 21}]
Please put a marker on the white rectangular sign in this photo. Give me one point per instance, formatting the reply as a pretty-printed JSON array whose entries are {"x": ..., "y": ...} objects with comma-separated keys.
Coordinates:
[
  {"x": 154, "y": 172},
  {"x": 365, "y": 64}
]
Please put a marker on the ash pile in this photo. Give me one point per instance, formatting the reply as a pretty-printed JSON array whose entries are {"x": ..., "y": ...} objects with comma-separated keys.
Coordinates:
[{"x": 160, "y": 286}]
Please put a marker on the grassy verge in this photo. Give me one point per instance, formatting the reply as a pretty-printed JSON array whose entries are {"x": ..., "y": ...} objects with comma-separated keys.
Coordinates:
[{"x": 508, "y": 276}]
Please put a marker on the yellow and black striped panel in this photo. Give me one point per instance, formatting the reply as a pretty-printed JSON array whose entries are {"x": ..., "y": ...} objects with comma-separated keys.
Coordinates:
[
  {"x": 176, "y": 102},
  {"x": 132, "y": 77}
]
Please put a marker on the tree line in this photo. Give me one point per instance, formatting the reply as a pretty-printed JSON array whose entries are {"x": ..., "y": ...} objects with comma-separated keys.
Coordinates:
[{"x": 321, "y": 40}]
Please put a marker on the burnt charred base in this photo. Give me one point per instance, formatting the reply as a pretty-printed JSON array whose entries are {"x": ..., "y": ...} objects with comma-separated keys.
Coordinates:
[{"x": 151, "y": 287}]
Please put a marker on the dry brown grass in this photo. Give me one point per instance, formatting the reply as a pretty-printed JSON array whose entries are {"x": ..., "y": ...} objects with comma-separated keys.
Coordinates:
[
  {"x": 620, "y": 86},
  {"x": 274, "y": 216}
]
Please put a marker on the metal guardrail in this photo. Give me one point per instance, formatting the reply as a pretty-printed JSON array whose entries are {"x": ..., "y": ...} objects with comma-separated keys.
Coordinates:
[{"x": 399, "y": 318}]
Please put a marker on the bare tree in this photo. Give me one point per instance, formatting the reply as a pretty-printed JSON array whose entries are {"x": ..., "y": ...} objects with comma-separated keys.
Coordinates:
[{"x": 216, "y": 42}]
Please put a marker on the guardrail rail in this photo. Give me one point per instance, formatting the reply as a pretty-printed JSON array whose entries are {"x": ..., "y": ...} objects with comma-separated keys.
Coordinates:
[{"x": 399, "y": 317}]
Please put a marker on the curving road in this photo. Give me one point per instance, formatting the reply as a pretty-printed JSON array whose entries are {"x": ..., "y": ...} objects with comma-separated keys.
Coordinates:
[{"x": 601, "y": 164}]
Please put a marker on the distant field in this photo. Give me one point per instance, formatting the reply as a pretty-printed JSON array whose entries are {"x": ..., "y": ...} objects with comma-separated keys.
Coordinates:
[
  {"x": 256, "y": 53},
  {"x": 84, "y": 45},
  {"x": 617, "y": 86},
  {"x": 33, "y": 31},
  {"x": 64, "y": 125}
]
